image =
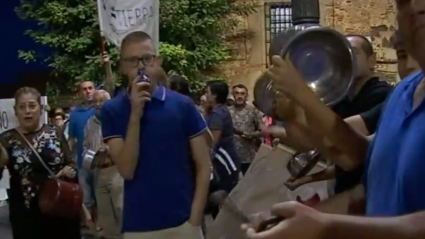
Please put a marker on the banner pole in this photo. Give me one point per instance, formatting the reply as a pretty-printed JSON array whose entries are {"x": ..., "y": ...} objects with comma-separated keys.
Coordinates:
[{"x": 106, "y": 65}]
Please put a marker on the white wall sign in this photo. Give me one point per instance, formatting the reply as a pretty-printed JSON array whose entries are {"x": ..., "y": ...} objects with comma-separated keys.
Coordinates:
[
  {"x": 117, "y": 18},
  {"x": 7, "y": 114}
]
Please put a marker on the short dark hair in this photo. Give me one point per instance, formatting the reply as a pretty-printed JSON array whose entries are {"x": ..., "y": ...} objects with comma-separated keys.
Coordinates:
[
  {"x": 220, "y": 89},
  {"x": 180, "y": 84},
  {"x": 366, "y": 44},
  {"x": 134, "y": 37},
  {"x": 240, "y": 86}
]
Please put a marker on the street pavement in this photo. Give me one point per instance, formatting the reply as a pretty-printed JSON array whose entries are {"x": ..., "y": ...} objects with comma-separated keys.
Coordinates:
[{"x": 5, "y": 229}]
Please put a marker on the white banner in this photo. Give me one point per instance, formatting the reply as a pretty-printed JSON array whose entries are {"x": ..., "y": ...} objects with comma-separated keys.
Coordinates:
[
  {"x": 118, "y": 18},
  {"x": 7, "y": 114}
]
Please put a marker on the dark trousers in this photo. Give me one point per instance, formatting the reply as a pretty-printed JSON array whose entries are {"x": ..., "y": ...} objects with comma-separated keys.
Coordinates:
[{"x": 245, "y": 167}]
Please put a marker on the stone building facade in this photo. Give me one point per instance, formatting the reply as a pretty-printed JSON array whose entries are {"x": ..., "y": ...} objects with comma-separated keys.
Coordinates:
[{"x": 373, "y": 18}]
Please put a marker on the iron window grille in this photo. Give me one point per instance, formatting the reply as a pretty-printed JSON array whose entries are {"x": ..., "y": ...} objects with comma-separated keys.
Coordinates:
[{"x": 278, "y": 18}]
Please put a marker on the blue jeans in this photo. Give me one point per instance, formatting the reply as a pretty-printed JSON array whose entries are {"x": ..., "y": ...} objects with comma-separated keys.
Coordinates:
[{"x": 88, "y": 181}]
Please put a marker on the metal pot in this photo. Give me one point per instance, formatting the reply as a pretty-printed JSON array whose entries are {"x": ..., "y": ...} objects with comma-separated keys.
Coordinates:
[
  {"x": 92, "y": 159},
  {"x": 301, "y": 164}
]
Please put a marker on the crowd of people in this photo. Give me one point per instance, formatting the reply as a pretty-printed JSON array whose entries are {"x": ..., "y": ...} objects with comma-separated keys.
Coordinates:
[{"x": 153, "y": 160}]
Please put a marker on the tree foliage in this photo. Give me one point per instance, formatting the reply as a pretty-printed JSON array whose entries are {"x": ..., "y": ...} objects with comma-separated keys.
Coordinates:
[{"x": 191, "y": 33}]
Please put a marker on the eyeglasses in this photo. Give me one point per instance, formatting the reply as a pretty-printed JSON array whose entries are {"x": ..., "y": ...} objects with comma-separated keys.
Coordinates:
[{"x": 147, "y": 60}]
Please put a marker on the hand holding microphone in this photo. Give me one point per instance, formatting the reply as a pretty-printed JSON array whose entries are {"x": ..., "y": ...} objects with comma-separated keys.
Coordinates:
[{"x": 140, "y": 92}]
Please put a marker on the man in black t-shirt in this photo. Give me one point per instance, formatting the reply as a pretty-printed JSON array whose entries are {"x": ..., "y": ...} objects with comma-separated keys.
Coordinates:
[
  {"x": 367, "y": 122},
  {"x": 367, "y": 91}
]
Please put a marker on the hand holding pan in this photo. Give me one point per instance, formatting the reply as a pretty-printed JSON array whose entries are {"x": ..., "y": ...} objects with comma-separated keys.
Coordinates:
[
  {"x": 261, "y": 222},
  {"x": 300, "y": 221}
]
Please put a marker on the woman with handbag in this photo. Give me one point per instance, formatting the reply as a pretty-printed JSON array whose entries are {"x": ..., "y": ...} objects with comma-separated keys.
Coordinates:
[{"x": 41, "y": 204}]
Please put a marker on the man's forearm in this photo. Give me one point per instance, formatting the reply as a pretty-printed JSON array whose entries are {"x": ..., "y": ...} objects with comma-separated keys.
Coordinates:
[
  {"x": 348, "y": 227},
  {"x": 325, "y": 122},
  {"x": 109, "y": 82},
  {"x": 128, "y": 158},
  {"x": 349, "y": 202}
]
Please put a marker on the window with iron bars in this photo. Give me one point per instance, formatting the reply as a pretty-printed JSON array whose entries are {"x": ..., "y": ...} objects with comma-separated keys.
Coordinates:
[{"x": 278, "y": 18}]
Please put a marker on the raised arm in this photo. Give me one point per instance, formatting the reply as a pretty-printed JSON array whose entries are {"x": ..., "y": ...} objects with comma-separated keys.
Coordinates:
[
  {"x": 108, "y": 84},
  {"x": 344, "y": 140},
  {"x": 125, "y": 152},
  {"x": 71, "y": 137}
]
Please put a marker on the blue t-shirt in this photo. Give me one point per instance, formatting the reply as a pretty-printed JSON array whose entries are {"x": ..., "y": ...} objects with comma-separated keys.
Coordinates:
[
  {"x": 77, "y": 123},
  {"x": 160, "y": 194},
  {"x": 226, "y": 160},
  {"x": 396, "y": 162},
  {"x": 220, "y": 119}
]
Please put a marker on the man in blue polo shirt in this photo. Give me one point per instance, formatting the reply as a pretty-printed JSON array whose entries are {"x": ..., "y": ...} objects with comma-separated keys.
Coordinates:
[
  {"x": 394, "y": 182},
  {"x": 77, "y": 122},
  {"x": 155, "y": 138}
]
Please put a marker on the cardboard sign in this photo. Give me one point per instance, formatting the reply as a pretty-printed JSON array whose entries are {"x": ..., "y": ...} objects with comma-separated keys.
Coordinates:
[{"x": 261, "y": 188}]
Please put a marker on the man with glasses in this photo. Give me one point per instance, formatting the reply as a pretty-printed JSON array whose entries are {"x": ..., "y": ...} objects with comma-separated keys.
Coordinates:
[{"x": 155, "y": 138}]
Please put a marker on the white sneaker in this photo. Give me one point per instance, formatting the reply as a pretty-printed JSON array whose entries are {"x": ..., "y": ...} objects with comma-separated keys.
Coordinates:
[{"x": 3, "y": 203}]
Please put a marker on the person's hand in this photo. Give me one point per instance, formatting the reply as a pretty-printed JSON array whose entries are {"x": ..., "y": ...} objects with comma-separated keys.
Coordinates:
[
  {"x": 247, "y": 135},
  {"x": 297, "y": 133},
  {"x": 256, "y": 219},
  {"x": 301, "y": 222},
  {"x": 294, "y": 183},
  {"x": 105, "y": 57},
  {"x": 286, "y": 78},
  {"x": 139, "y": 94},
  {"x": 68, "y": 172},
  {"x": 218, "y": 197},
  {"x": 276, "y": 131},
  {"x": 101, "y": 157}
]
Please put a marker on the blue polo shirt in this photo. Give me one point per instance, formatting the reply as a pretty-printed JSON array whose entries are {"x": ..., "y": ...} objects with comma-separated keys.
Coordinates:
[
  {"x": 395, "y": 166},
  {"x": 77, "y": 123},
  {"x": 160, "y": 194}
]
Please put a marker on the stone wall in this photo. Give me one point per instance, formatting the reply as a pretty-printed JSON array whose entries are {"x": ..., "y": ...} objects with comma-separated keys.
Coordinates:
[{"x": 372, "y": 18}]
